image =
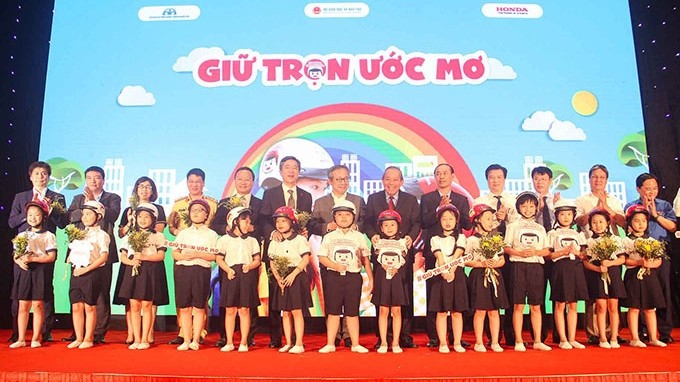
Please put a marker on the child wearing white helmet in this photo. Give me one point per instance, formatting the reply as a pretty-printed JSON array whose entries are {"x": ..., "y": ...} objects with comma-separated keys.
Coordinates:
[
  {"x": 33, "y": 282},
  {"x": 144, "y": 274},
  {"x": 86, "y": 256},
  {"x": 449, "y": 295},
  {"x": 343, "y": 252},
  {"x": 526, "y": 246},
  {"x": 567, "y": 282},
  {"x": 292, "y": 293},
  {"x": 192, "y": 273},
  {"x": 239, "y": 262}
]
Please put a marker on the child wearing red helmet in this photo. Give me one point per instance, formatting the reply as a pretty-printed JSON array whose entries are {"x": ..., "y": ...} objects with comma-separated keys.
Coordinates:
[
  {"x": 343, "y": 252},
  {"x": 33, "y": 282},
  {"x": 603, "y": 276},
  {"x": 292, "y": 294},
  {"x": 643, "y": 288},
  {"x": 449, "y": 293},
  {"x": 487, "y": 286},
  {"x": 568, "y": 281},
  {"x": 390, "y": 292}
]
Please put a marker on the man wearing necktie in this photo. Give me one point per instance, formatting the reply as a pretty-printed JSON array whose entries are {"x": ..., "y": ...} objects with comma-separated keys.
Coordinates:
[
  {"x": 504, "y": 203},
  {"x": 407, "y": 206},
  {"x": 285, "y": 194},
  {"x": 244, "y": 179},
  {"x": 541, "y": 178}
]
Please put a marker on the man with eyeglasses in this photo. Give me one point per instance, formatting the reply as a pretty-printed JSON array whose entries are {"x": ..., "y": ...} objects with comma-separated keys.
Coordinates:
[
  {"x": 598, "y": 198},
  {"x": 322, "y": 222}
]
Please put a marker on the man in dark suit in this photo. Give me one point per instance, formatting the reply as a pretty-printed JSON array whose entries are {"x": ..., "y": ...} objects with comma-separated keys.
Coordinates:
[
  {"x": 407, "y": 206},
  {"x": 94, "y": 190},
  {"x": 429, "y": 203},
  {"x": 285, "y": 194},
  {"x": 322, "y": 220},
  {"x": 39, "y": 174},
  {"x": 244, "y": 179}
]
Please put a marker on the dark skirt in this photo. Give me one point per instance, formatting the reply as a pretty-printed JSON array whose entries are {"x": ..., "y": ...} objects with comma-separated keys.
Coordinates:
[
  {"x": 86, "y": 288},
  {"x": 389, "y": 292},
  {"x": 296, "y": 296},
  {"x": 596, "y": 285},
  {"x": 238, "y": 292},
  {"x": 122, "y": 271},
  {"x": 33, "y": 284},
  {"x": 643, "y": 294},
  {"x": 568, "y": 281},
  {"x": 487, "y": 297},
  {"x": 161, "y": 296},
  {"x": 449, "y": 296},
  {"x": 142, "y": 286}
]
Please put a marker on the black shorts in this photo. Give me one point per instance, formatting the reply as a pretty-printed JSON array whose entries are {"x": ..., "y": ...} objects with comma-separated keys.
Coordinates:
[
  {"x": 527, "y": 283},
  {"x": 86, "y": 288},
  {"x": 342, "y": 291},
  {"x": 192, "y": 286}
]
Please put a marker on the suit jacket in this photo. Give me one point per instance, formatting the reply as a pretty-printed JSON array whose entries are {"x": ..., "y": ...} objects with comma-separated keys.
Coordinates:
[
  {"x": 407, "y": 206},
  {"x": 17, "y": 215},
  {"x": 272, "y": 199},
  {"x": 428, "y": 215},
  {"x": 321, "y": 214},
  {"x": 111, "y": 204},
  {"x": 219, "y": 222}
]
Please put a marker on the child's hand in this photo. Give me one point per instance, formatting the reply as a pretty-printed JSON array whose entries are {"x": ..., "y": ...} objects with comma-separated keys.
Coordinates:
[
  {"x": 392, "y": 271},
  {"x": 489, "y": 263},
  {"x": 276, "y": 236},
  {"x": 21, "y": 262},
  {"x": 231, "y": 274},
  {"x": 502, "y": 213},
  {"x": 449, "y": 276},
  {"x": 79, "y": 271},
  {"x": 94, "y": 254},
  {"x": 603, "y": 268},
  {"x": 305, "y": 233},
  {"x": 648, "y": 263},
  {"x": 288, "y": 281},
  {"x": 409, "y": 241},
  {"x": 341, "y": 268},
  {"x": 245, "y": 268},
  {"x": 375, "y": 239}
]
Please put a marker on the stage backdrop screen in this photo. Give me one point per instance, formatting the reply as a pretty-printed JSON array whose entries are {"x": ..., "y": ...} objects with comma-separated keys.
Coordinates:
[{"x": 152, "y": 88}]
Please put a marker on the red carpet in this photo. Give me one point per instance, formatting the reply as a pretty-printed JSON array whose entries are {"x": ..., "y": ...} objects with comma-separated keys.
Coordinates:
[{"x": 112, "y": 362}]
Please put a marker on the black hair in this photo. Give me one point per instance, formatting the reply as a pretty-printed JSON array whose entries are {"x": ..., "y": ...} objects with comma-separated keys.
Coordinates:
[
  {"x": 197, "y": 172},
  {"x": 495, "y": 166},
  {"x": 286, "y": 159},
  {"x": 542, "y": 170},
  {"x": 95, "y": 169},
  {"x": 645, "y": 176},
  {"x": 244, "y": 168}
]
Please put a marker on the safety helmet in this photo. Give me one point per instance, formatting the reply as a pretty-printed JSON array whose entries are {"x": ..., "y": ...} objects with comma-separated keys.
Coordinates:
[
  {"x": 447, "y": 207},
  {"x": 478, "y": 209},
  {"x": 147, "y": 207},
  {"x": 285, "y": 212},
  {"x": 40, "y": 204},
  {"x": 389, "y": 215},
  {"x": 236, "y": 213},
  {"x": 94, "y": 206}
]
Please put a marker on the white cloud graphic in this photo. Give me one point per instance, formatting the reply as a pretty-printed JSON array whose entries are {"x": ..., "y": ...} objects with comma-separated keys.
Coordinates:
[
  {"x": 135, "y": 96},
  {"x": 566, "y": 131},
  {"x": 498, "y": 71},
  {"x": 187, "y": 63},
  {"x": 539, "y": 121}
]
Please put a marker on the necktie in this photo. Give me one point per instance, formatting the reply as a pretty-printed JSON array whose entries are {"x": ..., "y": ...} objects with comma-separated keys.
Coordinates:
[
  {"x": 390, "y": 203},
  {"x": 545, "y": 212},
  {"x": 499, "y": 204},
  {"x": 36, "y": 196},
  {"x": 291, "y": 201}
]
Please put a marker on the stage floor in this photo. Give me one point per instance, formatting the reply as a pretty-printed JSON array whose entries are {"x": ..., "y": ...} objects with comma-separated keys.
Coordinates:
[{"x": 114, "y": 362}]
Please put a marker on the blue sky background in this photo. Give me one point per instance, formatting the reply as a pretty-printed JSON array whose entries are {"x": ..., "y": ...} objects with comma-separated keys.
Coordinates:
[{"x": 97, "y": 48}]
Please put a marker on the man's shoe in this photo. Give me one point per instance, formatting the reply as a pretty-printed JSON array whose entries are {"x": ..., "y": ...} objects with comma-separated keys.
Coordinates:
[
  {"x": 622, "y": 341},
  {"x": 47, "y": 337},
  {"x": 274, "y": 345},
  {"x": 593, "y": 340},
  {"x": 251, "y": 341},
  {"x": 408, "y": 344},
  {"x": 221, "y": 342},
  {"x": 377, "y": 345},
  {"x": 667, "y": 339},
  {"x": 70, "y": 338},
  {"x": 348, "y": 342},
  {"x": 13, "y": 338},
  {"x": 98, "y": 340},
  {"x": 176, "y": 341},
  {"x": 464, "y": 344},
  {"x": 433, "y": 343}
]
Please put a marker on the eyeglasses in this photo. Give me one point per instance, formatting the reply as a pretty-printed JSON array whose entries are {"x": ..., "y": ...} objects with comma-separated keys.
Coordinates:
[
  {"x": 144, "y": 187},
  {"x": 341, "y": 180}
]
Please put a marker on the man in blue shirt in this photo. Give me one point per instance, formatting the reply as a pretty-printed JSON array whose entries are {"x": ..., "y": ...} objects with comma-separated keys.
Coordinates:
[{"x": 662, "y": 225}]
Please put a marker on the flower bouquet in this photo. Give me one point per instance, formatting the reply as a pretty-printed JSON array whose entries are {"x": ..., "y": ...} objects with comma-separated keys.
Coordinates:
[
  {"x": 233, "y": 202},
  {"x": 20, "y": 243},
  {"x": 137, "y": 241},
  {"x": 604, "y": 248},
  {"x": 649, "y": 249},
  {"x": 490, "y": 247},
  {"x": 282, "y": 266},
  {"x": 303, "y": 218},
  {"x": 74, "y": 233}
]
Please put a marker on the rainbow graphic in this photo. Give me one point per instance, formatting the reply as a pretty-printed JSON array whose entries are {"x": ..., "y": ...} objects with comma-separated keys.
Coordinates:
[{"x": 377, "y": 134}]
